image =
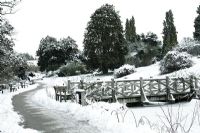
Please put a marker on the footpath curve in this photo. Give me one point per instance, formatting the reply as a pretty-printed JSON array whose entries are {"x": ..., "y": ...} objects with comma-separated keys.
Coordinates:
[{"x": 45, "y": 120}]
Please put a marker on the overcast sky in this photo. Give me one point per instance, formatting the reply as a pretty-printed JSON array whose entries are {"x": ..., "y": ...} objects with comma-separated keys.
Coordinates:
[{"x": 35, "y": 19}]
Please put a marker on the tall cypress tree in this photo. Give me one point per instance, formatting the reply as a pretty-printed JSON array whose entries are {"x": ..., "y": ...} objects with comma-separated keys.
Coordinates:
[
  {"x": 169, "y": 33},
  {"x": 127, "y": 30},
  {"x": 130, "y": 30},
  {"x": 196, "y": 33},
  {"x": 104, "y": 43}
]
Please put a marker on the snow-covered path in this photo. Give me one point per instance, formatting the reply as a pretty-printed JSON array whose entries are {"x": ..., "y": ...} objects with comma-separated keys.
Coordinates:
[{"x": 42, "y": 119}]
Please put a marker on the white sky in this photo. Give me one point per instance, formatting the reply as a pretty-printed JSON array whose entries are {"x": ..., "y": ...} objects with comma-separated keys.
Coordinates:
[{"x": 36, "y": 19}]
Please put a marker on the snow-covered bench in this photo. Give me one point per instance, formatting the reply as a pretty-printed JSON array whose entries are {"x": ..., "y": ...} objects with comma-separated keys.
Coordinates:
[
  {"x": 62, "y": 93},
  {"x": 13, "y": 86}
]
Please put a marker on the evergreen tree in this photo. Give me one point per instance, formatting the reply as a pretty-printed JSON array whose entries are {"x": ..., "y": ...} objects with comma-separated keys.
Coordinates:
[
  {"x": 149, "y": 49},
  {"x": 196, "y": 33},
  {"x": 127, "y": 31},
  {"x": 169, "y": 33},
  {"x": 104, "y": 43},
  {"x": 130, "y": 30},
  {"x": 52, "y": 53}
]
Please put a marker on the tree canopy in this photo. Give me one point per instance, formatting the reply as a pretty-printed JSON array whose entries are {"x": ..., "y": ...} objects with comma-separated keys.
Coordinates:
[
  {"x": 104, "y": 43},
  {"x": 169, "y": 33},
  {"x": 52, "y": 53},
  {"x": 196, "y": 33}
]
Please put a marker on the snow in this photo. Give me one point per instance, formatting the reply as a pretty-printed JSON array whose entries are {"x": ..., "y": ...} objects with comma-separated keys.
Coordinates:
[
  {"x": 117, "y": 118},
  {"x": 153, "y": 71},
  {"x": 8, "y": 118},
  {"x": 111, "y": 117},
  {"x": 101, "y": 115}
]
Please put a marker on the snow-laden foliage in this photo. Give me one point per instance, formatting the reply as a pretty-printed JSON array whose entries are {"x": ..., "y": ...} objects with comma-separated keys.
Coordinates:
[
  {"x": 190, "y": 46},
  {"x": 196, "y": 33},
  {"x": 104, "y": 43},
  {"x": 169, "y": 33},
  {"x": 144, "y": 52},
  {"x": 52, "y": 53},
  {"x": 11, "y": 63},
  {"x": 174, "y": 61},
  {"x": 72, "y": 68},
  {"x": 124, "y": 70}
]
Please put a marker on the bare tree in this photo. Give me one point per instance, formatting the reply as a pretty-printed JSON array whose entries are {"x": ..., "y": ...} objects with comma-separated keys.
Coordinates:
[{"x": 7, "y": 6}]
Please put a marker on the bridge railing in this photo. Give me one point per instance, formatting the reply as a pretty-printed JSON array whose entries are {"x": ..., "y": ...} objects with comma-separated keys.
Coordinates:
[{"x": 136, "y": 88}]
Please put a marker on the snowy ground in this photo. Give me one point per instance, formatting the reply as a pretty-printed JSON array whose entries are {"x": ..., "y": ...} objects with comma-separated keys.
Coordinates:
[
  {"x": 115, "y": 117},
  {"x": 8, "y": 118}
]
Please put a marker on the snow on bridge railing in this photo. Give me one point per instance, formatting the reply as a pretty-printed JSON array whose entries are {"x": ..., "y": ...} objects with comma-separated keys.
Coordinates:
[{"x": 116, "y": 89}]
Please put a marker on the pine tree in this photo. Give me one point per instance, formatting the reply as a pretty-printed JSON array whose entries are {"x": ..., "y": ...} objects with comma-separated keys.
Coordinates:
[
  {"x": 196, "y": 33},
  {"x": 104, "y": 43},
  {"x": 130, "y": 30},
  {"x": 169, "y": 33}
]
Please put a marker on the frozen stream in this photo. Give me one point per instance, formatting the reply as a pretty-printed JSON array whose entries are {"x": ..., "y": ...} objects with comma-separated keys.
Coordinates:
[{"x": 50, "y": 121}]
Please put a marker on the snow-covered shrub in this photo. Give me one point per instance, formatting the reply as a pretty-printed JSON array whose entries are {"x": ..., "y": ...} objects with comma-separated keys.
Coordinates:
[
  {"x": 124, "y": 70},
  {"x": 190, "y": 46},
  {"x": 174, "y": 61},
  {"x": 72, "y": 68}
]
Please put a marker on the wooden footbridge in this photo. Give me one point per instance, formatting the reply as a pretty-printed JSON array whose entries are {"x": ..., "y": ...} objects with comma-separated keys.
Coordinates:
[{"x": 132, "y": 91}]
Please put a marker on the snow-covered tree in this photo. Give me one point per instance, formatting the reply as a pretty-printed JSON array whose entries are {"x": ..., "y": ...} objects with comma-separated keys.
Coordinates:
[
  {"x": 9, "y": 61},
  {"x": 196, "y": 33},
  {"x": 7, "y": 6},
  {"x": 104, "y": 43},
  {"x": 130, "y": 30},
  {"x": 146, "y": 51},
  {"x": 52, "y": 53},
  {"x": 169, "y": 33}
]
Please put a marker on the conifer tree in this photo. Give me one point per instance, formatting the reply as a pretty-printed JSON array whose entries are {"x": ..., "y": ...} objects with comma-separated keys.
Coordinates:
[
  {"x": 169, "y": 33},
  {"x": 196, "y": 33},
  {"x": 130, "y": 30},
  {"x": 104, "y": 43}
]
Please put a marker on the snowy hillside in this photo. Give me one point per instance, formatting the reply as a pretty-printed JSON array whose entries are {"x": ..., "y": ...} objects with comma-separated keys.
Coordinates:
[{"x": 154, "y": 72}]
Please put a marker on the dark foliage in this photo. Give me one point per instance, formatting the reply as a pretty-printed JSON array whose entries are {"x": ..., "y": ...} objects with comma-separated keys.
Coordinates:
[{"x": 104, "y": 43}]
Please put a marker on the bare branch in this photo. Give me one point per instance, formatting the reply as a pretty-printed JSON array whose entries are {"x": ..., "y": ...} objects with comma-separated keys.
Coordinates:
[{"x": 6, "y": 7}]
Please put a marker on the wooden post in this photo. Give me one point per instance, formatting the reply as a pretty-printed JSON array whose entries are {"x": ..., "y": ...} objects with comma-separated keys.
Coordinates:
[
  {"x": 83, "y": 102},
  {"x": 167, "y": 88},
  {"x": 175, "y": 85},
  {"x": 150, "y": 86},
  {"x": 68, "y": 86},
  {"x": 196, "y": 82},
  {"x": 81, "y": 84},
  {"x": 159, "y": 86},
  {"x": 60, "y": 95},
  {"x": 192, "y": 84},
  {"x": 113, "y": 90},
  {"x": 183, "y": 81},
  {"x": 55, "y": 92},
  {"x": 65, "y": 96},
  {"x": 143, "y": 96}
]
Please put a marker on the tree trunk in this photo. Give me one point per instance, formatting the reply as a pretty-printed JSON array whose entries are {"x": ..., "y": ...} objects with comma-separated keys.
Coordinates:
[{"x": 105, "y": 70}]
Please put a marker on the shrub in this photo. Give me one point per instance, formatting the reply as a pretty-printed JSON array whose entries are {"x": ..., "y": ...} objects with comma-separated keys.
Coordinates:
[
  {"x": 124, "y": 70},
  {"x": 72, "y": 68},
  {"x": 190, "y": 46},
  {"x": 174, "y": 61}
]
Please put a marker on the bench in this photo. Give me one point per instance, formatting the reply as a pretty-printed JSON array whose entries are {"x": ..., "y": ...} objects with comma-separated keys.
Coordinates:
[
  {"x": 61, "y": 93},
  {"x": 23, "y": 84},
  {"x": 13, "y": 87},
  {"x": 3, "y": 87}
]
